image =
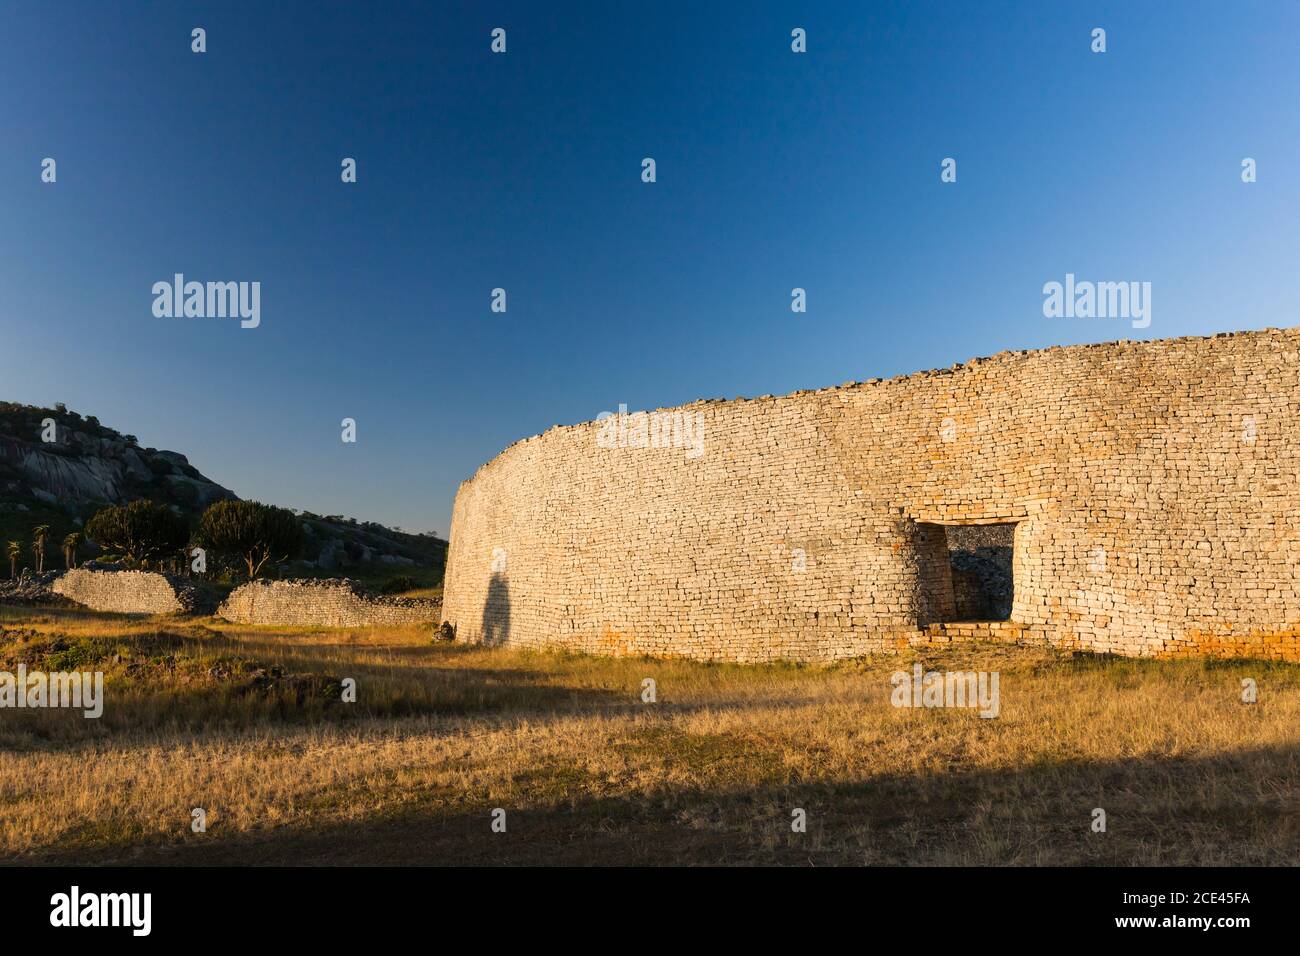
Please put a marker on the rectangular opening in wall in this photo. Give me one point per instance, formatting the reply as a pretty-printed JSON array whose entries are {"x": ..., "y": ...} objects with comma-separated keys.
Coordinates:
[{"x": 980, "y": 556}]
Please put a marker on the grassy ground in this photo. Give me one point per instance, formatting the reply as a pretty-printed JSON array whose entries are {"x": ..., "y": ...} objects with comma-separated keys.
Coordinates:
[{"x": 247, "y": 724}]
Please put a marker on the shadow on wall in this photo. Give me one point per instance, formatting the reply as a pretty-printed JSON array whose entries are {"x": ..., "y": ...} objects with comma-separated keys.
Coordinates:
[{"x": 496, "y": 611}]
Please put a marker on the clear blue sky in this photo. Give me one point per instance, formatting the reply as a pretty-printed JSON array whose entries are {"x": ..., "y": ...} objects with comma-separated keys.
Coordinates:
[{"x": 522, "y": 171}]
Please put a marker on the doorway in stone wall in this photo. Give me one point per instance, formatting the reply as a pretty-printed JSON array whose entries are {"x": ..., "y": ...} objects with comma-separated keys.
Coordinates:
[
  {"x": 967, "y": 572},
  {"x": 980, "y": 556}
]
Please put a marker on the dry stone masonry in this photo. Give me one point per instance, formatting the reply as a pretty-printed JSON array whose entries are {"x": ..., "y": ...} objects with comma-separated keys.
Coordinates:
[
  {"x": 1152, "y": 489},
  {"x": 126, "y": 592},
  {"x": 333, "y": 602}
]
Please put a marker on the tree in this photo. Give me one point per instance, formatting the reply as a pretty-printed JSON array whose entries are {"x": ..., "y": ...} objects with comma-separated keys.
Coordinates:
[
  {"x": 141, "y": 531},
  {"x": 70, "y": 545},
  {"x": 254, "y": 533},
  {"x": 15, "y": 551},
  {"x": 39, "y": 534}
]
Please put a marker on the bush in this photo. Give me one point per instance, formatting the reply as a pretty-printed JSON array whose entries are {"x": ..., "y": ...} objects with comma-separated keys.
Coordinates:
[
  {"x": 399, "y": 583},
  {"x": 142, "y": 531},
  {"x": 252, "y": 532}
]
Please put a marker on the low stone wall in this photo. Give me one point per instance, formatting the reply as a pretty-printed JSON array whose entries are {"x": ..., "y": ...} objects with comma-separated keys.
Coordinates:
[
  {"x": 126, "y": 592},
  {"x": 322, "y": 603}
]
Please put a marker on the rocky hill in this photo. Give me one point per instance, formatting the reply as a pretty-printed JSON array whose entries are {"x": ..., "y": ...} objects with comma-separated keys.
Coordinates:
[
  {"x": 56, "y": 458},
  {"x": 58, "y": 468}
]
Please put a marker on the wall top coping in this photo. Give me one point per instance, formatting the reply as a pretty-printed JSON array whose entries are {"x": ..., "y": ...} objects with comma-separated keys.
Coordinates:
[{"x": 1116, "y": 347}]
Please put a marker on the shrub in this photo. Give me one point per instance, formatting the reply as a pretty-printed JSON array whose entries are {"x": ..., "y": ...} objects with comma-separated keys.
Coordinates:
[
  {"x": 399, "y": 583},
  {"x": 254, "y": 533},
  {"x": 142, "y": 531}
]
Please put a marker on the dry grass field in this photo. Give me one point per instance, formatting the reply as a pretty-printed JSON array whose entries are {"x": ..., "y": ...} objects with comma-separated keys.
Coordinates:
[{"x": 247, "y": 724}]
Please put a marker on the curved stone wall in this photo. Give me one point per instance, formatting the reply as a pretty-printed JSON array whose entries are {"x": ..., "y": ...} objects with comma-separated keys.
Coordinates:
[
  {"x": 1153, "y": 487},
  {"x": 321, "y": 603},
  {"x": 124, "y": 592}
]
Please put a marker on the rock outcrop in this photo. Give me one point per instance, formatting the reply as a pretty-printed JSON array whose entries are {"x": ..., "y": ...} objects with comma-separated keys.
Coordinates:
[
  {"x": 58, "y": 468},
  {"x": 87, "y": 463}
]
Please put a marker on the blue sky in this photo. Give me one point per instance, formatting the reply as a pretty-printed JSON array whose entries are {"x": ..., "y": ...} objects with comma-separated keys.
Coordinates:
[{"x": 522, "y": 171}]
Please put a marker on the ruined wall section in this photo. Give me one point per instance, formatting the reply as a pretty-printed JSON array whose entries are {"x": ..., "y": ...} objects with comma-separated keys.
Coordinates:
[
  {"x": 330, "y": 602},
  {"x": 1155, "y": 486},
  {"x": 125, "y": 592}
]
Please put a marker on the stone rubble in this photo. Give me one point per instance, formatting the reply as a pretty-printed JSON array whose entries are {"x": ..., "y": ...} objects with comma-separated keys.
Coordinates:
[{"x": 330, "y": 602}]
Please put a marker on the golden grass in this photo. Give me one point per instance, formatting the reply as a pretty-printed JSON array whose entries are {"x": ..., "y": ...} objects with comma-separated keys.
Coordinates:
[{"x": 441, "y": 735}]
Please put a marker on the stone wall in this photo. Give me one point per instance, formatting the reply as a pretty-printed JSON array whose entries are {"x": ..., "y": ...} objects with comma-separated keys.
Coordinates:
[
  {"x": 1153, "y": 488},
  {"x": 322, "y": 603},
  {"x": 125, "y": 592}
]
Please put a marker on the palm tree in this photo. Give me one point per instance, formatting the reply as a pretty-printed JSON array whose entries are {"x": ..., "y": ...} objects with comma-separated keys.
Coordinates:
[
  {"x": 15, "y": 549},
  {"x": 70, "y": 545},
  {"x": 39, "y": 534}
]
